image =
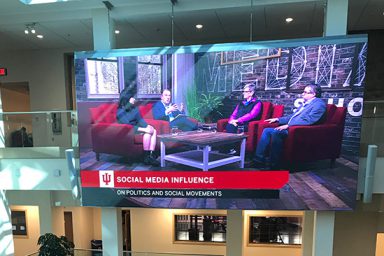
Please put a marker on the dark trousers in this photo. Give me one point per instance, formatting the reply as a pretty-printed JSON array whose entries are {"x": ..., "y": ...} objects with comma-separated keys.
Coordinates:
[
  {"x": 276, "y": 139},
  {"x": 230, "y": 128},
  {"x": 184, "y": 124}
]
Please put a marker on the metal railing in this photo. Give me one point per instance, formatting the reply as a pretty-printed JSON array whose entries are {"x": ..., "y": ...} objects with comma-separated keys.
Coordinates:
[
  {"x": 372, "y": 127},
  {"x": 89, "y": 252},
  {"x": 38, "y": 129}
]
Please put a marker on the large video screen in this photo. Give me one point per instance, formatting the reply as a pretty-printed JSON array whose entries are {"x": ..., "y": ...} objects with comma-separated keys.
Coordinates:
[{"x": 263, "y": 125}]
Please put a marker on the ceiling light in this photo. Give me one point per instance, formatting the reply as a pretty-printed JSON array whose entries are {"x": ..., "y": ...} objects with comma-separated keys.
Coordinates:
[
  {"x": 117, "y": 31},
  {"x": 30, "y": 2},
  {"x": 30, "y": 28},
  {"x": 288, "y": 20},
  {"x": 199, "y": 26},
  {"x": 40, "y": 36}
]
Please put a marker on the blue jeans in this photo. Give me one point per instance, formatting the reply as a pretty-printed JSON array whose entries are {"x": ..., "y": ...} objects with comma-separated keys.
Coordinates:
[
  {"x": 184, "y": 124},
  {"x": 276, "y": 139}
]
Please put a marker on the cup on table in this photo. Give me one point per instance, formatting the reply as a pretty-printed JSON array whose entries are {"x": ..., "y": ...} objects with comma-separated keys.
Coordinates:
[
  {"x": 174, "y": 130},
  {"x": 240, "y": 129}
]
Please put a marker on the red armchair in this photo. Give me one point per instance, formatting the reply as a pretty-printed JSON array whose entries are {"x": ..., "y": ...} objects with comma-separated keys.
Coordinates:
[
  {"x": 269, "y": 111},
  {"x": 315, "y": 142},
  {"x": 110, "y": 137}
]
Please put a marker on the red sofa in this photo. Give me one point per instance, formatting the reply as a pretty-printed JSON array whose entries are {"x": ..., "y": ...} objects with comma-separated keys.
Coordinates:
[
  {"x": 315, "y": 142},
  {"x": 269, "y": 111},
  {"x": 110, "y": 137}
]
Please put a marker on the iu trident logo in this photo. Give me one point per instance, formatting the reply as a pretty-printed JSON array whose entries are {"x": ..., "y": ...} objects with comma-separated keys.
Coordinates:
[{"x": 106, "y": 179}]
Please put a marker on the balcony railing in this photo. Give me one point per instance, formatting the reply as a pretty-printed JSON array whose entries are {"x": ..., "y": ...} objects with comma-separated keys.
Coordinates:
[
  {"x": 372, "y": 127},
  {"x": 84, "y": 252},
  {"x": 41, "y": 130},
  {"x": 38, "y": 129}
]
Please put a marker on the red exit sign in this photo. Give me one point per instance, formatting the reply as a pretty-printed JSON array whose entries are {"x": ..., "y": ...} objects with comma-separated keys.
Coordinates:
[{"x": 3, "y": 71}]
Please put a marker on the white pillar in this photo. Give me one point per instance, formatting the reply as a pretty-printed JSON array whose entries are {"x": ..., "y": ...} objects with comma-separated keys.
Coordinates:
[
  {"x": 103, "y": 30},
  {"x": 307, "y": 234},
  {"x": 6, "y": 237},
  {"x": 111, "y": 229},
  {"x": 323, "y": 229},
  {"x": 335, "y": 20},
  {"x": 45, "y": 212},
  {"x": 111, "y": 221},
  {"x": 234, "y": 233}
]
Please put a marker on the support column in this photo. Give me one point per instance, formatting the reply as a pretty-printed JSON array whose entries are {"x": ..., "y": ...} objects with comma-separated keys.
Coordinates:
[
  {"x": 103, "y": 30},
  {"x": 111, "y": 229},
  {"x": 307, "y": 234},
  {"x": 336, "y": 17},
  {"x": 6, "y": 237},
  {"x": 111, "y": 221},
  {"x": 45, "y": 212},
  {"x": 235, "y": 229},
  {"x": 323, "y": 229}
]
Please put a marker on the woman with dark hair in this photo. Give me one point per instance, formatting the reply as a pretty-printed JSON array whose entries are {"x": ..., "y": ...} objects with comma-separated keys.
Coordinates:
[
  {"x": 249, "y": 109},
  {"x": 128, "y": 113}
]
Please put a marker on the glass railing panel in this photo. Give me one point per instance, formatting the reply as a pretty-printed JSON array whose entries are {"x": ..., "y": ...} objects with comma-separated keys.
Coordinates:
[
  {"x": 372, "y": 127},
  {"x": 164, "y": 254},
  {"x": 85, "y": 252},
  {"x": 40, "y": 130}
]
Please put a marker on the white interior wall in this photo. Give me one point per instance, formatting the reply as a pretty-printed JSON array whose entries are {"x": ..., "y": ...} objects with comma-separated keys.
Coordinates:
[
  {"x": 84, "y": 224},
  {"x": 44, "y": 72},
  {"x": 355, "y": 233},
  {"x": 25, "y": 245}
]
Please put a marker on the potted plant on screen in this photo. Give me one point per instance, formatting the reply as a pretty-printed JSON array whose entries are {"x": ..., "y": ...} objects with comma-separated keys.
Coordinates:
[
  {"x": 52, "y": 245},
  {"x": 192, "y": 103},
  {"x": 208, "y": 107}
]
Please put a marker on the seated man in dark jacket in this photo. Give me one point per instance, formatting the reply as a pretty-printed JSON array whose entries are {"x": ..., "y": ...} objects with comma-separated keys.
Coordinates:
[
  {"x": 311, "y": 112},
  {"x": 165, "y": 110}
]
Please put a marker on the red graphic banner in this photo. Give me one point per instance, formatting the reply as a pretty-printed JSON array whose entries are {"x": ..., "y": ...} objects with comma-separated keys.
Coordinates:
[{"x": 186, "y": 180}]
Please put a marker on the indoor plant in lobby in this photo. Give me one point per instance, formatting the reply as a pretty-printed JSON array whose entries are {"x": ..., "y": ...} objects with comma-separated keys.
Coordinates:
[{"x": 52, "y": 245}]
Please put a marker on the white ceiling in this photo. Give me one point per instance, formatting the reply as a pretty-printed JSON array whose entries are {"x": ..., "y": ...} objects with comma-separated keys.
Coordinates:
[{"x": 148, "y": 22}]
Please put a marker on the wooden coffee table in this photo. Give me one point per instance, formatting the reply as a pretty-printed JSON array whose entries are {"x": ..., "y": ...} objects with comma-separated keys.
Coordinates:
[{"x": 202, "y": 157}]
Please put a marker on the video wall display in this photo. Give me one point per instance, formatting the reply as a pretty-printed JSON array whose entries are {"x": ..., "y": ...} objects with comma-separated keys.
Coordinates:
[{"x": 263, "y": 125}]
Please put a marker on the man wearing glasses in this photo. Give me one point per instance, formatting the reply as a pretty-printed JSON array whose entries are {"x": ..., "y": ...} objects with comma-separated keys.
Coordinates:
[{"x": 311, "y": 112}]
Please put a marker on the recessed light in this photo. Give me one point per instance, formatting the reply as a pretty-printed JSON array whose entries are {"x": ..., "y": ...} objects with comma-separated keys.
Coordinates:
[
  {"x": 40, "y": 36},
  {"x": 288, "y": 20},
  {"x": 26, "y": 32},
  {"x": 117, "y": 31},
  {"x": 199, "y": 26}
]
